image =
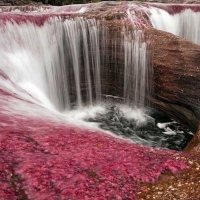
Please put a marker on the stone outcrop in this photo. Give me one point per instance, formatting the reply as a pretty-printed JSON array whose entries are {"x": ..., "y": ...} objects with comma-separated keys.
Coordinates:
[
  {"x": 176, "y": 76},
  {"x": 175, "y": 63},
  {"x": 194, "y": 145}
]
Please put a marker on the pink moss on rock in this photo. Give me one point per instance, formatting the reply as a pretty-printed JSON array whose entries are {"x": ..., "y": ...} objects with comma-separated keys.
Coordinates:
[{"x": 43, "y": 159}]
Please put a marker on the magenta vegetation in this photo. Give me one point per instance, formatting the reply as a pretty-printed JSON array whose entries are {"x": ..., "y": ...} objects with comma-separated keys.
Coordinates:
[{"x": 42, "y": 159}]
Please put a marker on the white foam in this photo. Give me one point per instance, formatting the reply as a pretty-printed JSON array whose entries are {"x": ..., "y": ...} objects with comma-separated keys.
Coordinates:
[
  {"x": 163, "y": 125},
  {"x": 169, "y": 131},
  {"x": 133, "y": 113},
  {"x": 85, "y": 112}
]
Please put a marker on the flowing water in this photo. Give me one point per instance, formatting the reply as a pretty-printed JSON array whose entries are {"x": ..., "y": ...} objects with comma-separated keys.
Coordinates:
[
  {"x": 185, "y": 24},
  {"x": 136, "y": 68},
  {"x": 53, "y": 59},
  {"x": 62, "y": 60},
  {"x": 62, "y": 64}
]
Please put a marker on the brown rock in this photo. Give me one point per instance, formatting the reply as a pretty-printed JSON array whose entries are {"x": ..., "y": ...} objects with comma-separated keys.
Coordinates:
[
  {"x": 176, "y": 76},
  {"x": 194, "y": 145}
]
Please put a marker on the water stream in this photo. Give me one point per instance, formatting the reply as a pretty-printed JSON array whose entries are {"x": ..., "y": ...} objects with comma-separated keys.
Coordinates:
[{"x": 62, "y": 65}]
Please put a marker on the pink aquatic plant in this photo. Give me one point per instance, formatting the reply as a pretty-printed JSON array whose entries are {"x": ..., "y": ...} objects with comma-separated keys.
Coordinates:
[{"x": 43, "y": 159}]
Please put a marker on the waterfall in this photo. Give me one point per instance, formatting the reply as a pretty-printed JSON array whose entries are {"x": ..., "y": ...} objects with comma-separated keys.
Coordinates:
[
  {"x": 76, "y": 32},
  {"x": 80, "y": 67},
  {"x": 65, "y": 62},
  {"x": 60, "y": 63},
  {"x": 185, "y": 24},
  {"x": 26, "y": 52},
  {"x": 135, "y": 69},
  {"x": 61, "y": 59}
]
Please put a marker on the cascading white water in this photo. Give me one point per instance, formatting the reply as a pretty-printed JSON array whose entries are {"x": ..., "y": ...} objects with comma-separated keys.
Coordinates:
[
  {"x": 59, "y": 62},
  {"x": 52, "y": 59},
  {"x": 185, "y": 24},
  {"x": 76, "y": 40},
  {"x": 67, "y": 56},
  {"x": 135, "y": 69},
  {"x": 24, "y": 60}
]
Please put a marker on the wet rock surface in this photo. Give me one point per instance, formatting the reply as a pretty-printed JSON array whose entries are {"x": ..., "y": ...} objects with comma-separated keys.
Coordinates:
[
  {"x": 194, "y": 145},
  {"x": 176, "y": 76},
  {"x": 183, "y": 186}
]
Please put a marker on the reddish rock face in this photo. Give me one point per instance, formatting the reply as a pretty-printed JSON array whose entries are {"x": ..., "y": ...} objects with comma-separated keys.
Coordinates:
[
  {"x": 176, "y": 76},
  {"x": 194, "y": 145},
  {"x": 176, "y": 73}
]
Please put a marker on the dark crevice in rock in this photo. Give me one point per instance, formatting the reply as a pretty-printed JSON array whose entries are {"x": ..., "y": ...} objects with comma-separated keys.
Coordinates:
[
  {"x": 179, "y": 113},
  {"x": 16, "y": 183}
]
